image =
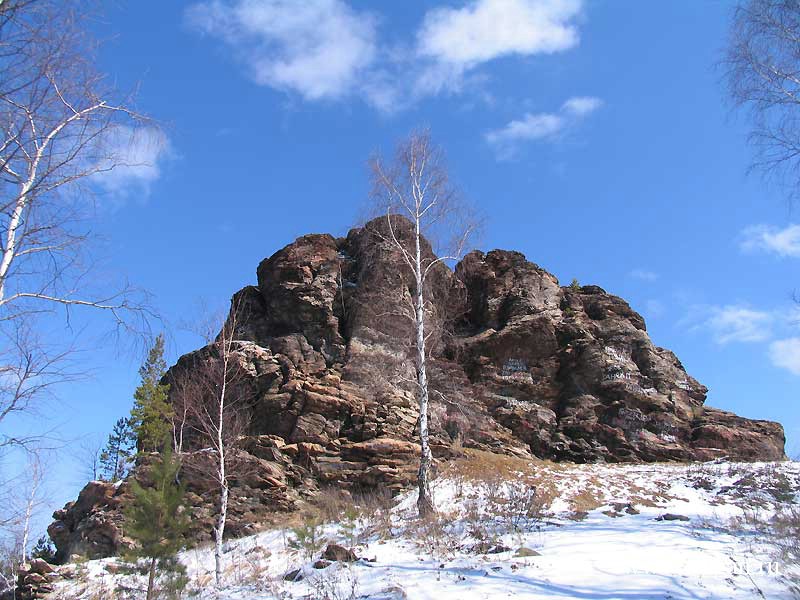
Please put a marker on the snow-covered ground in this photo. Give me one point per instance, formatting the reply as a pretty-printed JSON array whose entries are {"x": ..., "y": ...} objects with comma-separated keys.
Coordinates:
[{"x": 588, "y": 531}]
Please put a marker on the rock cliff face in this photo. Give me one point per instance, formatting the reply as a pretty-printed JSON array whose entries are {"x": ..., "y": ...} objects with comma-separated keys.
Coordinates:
[{"x": 520, "y": 365}]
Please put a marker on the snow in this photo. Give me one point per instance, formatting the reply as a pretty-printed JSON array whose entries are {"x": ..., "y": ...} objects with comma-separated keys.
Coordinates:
[{"x": 596, "y": 538}]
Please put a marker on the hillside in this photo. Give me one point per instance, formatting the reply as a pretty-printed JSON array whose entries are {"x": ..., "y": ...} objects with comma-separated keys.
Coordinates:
[{"x": 588, "y": 531}]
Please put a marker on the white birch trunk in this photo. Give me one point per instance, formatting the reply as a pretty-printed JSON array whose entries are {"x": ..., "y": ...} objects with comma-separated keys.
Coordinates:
[
  {"x": 416, "y": 188},
  {"x": 36, "y": 479},
  {"x": 219, "y": 531},
  {"x": 177, "y": 429},
  {"x": 424, "y": 500},
  {"x": 222, "y": 475},
  {"x": 14, "y": 222}
]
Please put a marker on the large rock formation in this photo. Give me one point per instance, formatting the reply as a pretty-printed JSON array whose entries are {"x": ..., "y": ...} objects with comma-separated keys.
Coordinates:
[{"x": 519, "y": 365}]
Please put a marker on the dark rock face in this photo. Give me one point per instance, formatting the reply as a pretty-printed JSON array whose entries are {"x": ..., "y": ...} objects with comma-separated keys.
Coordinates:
[
  {"x": 519, "y": 365},
  {"x": 90, "y": 526},
  {"x": 573, "y": 373}
]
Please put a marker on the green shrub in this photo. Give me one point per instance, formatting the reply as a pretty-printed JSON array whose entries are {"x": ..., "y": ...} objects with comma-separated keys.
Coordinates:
[
  {"x": 44, "y": 549},
  {"x": 308, "y": 538}
]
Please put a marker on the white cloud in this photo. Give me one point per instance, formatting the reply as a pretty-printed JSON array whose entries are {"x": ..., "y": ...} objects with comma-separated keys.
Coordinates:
[
  {"x": 134, "y": 160},
  {"x": 740, "y": 323},
  {"x": 540, "y": 126},
  {"x": 733, "y": 323},
  {"x": 581, "y": 106},
  {"x": 765, "y": 238},
  {"x": 451, "y": 42},
  {"x": 786, "y": 354},
  {"x": 488, "y": 29},
  {"x": 530, "y": 127},
  {"x": 317, "y": 48},
  {"x": 326, "y": 50},
  {"x": 643, "y": 274}
]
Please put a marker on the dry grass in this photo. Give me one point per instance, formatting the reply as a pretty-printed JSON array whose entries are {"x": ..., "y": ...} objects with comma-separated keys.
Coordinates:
[
  {"x": 585, "y": 501},
  {"x": 436, "y": 535},
  {"x": 478, "y": 465},
  {"x": 249, "y": 569},
  {"x": 577, "y": 486},
  {"x": 492, "y": 470}
]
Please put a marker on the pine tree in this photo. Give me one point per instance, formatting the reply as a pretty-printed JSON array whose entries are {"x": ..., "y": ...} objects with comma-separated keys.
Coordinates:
[
  {"x": 155, "y": 520},
  {"x": 44, "y": 549},
  {"x": 152, "y": 414},
  {"x": 116, "y": 457}
]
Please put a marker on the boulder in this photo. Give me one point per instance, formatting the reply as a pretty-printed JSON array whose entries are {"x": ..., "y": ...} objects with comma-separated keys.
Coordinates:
[
  {"x": 672, "y": 517},
  {"x": 337, "y": 553},
  {"x": 40, "y": 566}
]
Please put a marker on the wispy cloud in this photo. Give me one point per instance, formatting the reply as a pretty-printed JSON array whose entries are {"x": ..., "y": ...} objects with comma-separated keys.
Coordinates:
[
  {"x": 317, "y": 48},
  {"x": 644, "y": 275},
  {"x": 540, "y": 126},
  {"x": 766, "y": 238},
  {"x": 740, "y": 323},
  {"x": 580, "y": 106},
  {"x": 731, "y": 323},
  {"x": 785, "y": 354},
  {"x": 327, "y": 50},
  {"x": 136, "y": 156}
]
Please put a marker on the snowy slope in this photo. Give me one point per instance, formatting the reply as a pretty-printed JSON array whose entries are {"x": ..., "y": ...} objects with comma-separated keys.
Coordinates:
[{"x": 591, "y": 532}]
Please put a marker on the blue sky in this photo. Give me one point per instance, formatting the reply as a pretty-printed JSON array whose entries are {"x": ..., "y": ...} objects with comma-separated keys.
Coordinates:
[{"x": 594, "y": 136}]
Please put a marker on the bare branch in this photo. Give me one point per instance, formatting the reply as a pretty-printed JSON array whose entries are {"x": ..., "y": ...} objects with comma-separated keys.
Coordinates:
[
  {"x": 56, "y": 119},
  {"x": 213, "y": 411},
  {"x": 762, "y": 72},
  {"x": 416, "y": 185}
]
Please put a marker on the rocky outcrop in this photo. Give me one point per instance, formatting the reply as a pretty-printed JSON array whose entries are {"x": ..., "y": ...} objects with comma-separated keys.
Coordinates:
[
  {"x": 93, "y": 525},
  {"x": 572, "y": 372},
  {"x": 519, "y": 365},
  {"x": 35, "y": 579},
  {"x": 90, "y": 526}
]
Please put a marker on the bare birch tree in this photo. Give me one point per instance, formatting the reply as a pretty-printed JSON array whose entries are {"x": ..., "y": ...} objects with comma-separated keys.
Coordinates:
[
  {"x": 59, "y": 131},
  {"x": 415, "y": 188},
  {"x": 762, "y": 67},
  {"x": 23, "y": 499},
  {"x": 181, "y": 401},
  {"x": 88, "y": 459},
  {"x": 32, "y": 499},
  {"x": 217, "y": 416}
]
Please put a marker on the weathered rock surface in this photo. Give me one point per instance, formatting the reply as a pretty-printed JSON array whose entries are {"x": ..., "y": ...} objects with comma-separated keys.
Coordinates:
[
  {"x": 519, "y": 365},
  {"x": 34, "y": 580},
  {"x": 93, "y": 525}
]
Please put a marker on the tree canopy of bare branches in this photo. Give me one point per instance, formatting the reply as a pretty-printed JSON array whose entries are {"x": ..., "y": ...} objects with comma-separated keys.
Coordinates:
[
  {"x": 23, "y": 498},
  {"x": 762, "y": 68},
  {"x": 208, "y": 404},
  {"x": 415, "y": 188},
  {"x": 59, "y": 132}
]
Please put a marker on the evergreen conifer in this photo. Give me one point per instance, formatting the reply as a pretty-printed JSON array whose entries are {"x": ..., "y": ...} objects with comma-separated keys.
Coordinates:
[
  {"x": 117, "y": 456},
  {"x": 156, "y": 521},
  {"x": 152, "y": 414}
]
